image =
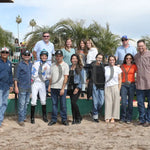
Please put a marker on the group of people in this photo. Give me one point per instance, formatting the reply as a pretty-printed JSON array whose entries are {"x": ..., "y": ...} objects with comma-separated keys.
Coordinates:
[{"x": 126, "y": 72}]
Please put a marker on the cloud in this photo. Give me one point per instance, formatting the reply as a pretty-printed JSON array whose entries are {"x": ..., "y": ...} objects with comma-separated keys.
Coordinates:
[{"x": 129, "y": 17}]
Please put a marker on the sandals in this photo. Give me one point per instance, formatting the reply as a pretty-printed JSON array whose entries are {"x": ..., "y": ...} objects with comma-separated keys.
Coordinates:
[
  {"x": 107, "y": 120},
  {"x": 112, "y": 120}
]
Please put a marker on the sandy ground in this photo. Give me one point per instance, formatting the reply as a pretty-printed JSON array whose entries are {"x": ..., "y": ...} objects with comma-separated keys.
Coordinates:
[{"x": 86, "y": 136}]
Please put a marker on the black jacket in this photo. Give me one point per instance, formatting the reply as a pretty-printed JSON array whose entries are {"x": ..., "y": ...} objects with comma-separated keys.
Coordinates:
[{"x": 96, "y": 75}]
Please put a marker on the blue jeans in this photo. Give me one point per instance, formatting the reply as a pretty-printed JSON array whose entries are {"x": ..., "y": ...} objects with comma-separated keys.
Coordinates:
[
  {"x": 3, "y": 103},
  {"x": 126, "y": 111},
  {"x": 63, "y": 108},
  {"x": 144, "y": 115},
  {"x": 98, "y": 100},
  {"x": 23, "y": 101}
]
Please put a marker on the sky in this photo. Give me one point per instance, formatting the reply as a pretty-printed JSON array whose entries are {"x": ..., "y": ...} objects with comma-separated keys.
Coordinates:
[{"x": 125, "y": 17}]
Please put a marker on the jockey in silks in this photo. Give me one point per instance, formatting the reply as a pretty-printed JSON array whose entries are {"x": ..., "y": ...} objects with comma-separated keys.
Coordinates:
[{"x": 40, "y": 73}]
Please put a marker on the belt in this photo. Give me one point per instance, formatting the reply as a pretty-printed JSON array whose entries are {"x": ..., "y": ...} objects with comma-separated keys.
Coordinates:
[{"x": 127, "y": 83}]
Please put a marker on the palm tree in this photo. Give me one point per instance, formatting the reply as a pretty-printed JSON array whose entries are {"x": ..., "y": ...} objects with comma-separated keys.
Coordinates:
[
  {"x": 147, "y": 41},
  {"x": 36, "y": 35},
  {"x": 105, "y": 41},
  {"x": 6, "y": 38},
  {"x": 71, "y": 29},
  {"x": 32, "y": 23},
  {"x": 18, "y": 21},
  {"x": 103, "y": 38}
]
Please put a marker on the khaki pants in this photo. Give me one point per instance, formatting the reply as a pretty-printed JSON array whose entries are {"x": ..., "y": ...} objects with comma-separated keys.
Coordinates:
[{"x": 112, "y": 102}]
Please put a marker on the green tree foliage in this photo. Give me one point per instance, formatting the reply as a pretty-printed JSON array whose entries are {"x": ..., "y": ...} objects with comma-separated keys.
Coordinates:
[
  {"x": 6, "y": 38},
  {"x": 147, "y": 41},
  {"x": 105, "y": 41},
  {"x": 36, "y": 35},
  {"x": 102, "y": 37}
]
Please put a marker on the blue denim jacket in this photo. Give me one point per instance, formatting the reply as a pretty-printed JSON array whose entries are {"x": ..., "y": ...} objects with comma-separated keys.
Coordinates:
[
  {"x": 78, "y": 78},
  {"x": 6, "y": 80},
  {"x": 23, "y": 75}
]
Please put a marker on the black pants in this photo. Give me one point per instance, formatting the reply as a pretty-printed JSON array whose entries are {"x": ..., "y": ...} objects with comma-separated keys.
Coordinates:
[{"x": 75, "y": 109}]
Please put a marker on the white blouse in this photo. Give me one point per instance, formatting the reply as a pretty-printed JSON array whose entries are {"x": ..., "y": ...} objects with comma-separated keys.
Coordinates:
[
  {"x": 91, "y": 55},
  {"x": 115, "y": 79}
]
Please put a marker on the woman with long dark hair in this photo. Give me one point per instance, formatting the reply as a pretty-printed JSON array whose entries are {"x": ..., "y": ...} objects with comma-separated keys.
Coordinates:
[
  {"x": 82, "y": 52},
  {"x": 74, "y": 86},
  {"x": 128, "y": 88}
]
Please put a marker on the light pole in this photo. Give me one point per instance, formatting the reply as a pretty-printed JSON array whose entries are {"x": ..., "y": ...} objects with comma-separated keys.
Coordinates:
[{"x": 18, "y": 20}]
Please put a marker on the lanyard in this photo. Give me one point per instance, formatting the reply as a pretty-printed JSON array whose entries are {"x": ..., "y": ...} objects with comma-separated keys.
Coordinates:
[
  {"x": 40, "y": 72},
  {"x": 111, "y": 73}
]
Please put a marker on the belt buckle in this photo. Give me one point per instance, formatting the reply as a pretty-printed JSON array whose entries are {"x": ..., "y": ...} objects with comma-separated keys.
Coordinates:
[{"x": 128, "y": 82}]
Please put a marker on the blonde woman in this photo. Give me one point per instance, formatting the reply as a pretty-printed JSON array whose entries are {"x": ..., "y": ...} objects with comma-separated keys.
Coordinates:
[
  {"x": 68, "y": 51},
  {"x": 92, "y": 51}
]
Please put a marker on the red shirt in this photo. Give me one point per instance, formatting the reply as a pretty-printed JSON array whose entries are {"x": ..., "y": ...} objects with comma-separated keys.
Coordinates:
[{"x": 130, "y": 74}]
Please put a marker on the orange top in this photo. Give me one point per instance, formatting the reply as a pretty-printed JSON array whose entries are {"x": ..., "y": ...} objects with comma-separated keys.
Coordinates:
[{"x": 130, "y": 74}]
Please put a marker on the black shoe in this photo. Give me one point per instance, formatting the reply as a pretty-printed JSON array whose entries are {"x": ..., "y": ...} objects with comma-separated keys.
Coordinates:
[
  {"x": 139, "y": 123},
  {"x": 74, "y": 121},
  {"x": 80, "y": 118},
  {"x": 65, "y": 123},
  {"x": 96, "y": 120},
  {"x": 45, "y": 119},
  {"x": 51, "y": 123},
  {"x": 32, "y": 121},
  {"x": 146, "y": 124},
  {"x": 78, "y": 121}
]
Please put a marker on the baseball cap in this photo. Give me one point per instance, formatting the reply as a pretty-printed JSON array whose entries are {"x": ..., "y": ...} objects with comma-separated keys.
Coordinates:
[
  {"x": 5, "y": 49},
  {"x": 26, "y": 52},
  {"x": 59, "y": 52},
  {"x": 124, "y": 37}
]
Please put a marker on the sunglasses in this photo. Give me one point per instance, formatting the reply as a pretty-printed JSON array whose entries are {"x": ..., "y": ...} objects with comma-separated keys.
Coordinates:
[
  {"x": 27, "y": 55},
  {"x": 46, "y": 36},
  {"x": 124, "y": 40},
  {"x": 3, "y": 52},
  {"x": 128, "y": 58}
]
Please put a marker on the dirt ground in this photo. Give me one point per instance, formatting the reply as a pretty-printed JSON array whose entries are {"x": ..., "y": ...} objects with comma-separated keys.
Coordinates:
[{"x": 86, "y": 136}]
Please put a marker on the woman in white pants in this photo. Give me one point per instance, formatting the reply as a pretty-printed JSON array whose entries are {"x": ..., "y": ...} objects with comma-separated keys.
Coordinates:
[{"x": 112, "y": 90}]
